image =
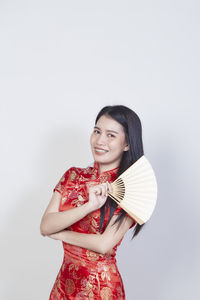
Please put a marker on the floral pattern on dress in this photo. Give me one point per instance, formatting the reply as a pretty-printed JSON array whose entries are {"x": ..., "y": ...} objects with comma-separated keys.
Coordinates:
[{"x": 86, "y": 274}]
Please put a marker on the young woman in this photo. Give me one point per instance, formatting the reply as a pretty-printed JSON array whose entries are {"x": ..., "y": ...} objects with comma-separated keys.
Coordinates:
[{"x": 88, "y": 222}]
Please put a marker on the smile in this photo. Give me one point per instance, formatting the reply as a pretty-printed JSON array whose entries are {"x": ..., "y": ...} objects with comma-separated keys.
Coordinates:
[{"x": 100, "y": 150}]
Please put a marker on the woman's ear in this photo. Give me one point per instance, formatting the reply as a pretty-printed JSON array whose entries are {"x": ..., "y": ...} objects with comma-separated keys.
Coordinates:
[{"x": 127, "y": 147}]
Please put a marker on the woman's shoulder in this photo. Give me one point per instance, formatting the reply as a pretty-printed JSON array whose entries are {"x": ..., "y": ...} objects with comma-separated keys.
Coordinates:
[{"x": 75, "y": 173}]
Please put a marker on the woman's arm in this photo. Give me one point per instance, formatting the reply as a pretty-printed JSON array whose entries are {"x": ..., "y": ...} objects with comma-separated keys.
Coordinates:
[
  {"x": 101, "y": 243},
  {"x": 54, "y": 221}
]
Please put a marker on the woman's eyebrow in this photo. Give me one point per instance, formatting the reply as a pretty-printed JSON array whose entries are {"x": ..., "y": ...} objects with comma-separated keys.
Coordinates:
[{"x": 107, "y": 130}]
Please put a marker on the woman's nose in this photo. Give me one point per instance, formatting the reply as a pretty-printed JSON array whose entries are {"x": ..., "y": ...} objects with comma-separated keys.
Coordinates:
[{"x": 101, "y": 139}]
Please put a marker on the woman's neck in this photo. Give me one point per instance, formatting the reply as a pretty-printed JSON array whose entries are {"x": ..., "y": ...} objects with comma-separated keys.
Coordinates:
[{"x": 105, "y": 168}]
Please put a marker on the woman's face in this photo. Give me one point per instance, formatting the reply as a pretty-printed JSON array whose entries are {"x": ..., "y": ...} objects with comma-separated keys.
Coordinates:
[{"x": 108, "y": 143}]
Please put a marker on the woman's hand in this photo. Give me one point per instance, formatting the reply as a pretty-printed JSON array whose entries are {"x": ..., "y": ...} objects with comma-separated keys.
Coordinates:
[{"x": 98, "y": 194}]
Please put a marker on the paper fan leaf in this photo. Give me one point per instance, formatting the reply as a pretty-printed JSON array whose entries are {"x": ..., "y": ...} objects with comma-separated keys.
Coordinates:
[{"x": 135, "y": 190}]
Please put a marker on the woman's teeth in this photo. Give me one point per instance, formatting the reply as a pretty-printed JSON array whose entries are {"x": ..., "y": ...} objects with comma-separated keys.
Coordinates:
[{"x": 101, "y": 151}]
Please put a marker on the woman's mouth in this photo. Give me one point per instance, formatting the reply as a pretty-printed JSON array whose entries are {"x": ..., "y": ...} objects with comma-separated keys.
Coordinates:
[{"x": 100, "y": 151}]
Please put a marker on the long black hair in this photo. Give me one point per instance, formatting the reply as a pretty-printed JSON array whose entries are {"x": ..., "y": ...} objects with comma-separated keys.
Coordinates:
[{"x": 133, "y": 132}]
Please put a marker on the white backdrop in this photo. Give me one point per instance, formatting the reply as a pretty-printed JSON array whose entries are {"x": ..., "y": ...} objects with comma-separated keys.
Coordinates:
[{"x": 60, "y": 63}]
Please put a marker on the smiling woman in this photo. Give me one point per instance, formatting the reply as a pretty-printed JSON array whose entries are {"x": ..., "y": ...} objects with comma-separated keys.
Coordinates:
[
  {"x": 108, "y": 142},
  {"x": 89, "y": 223}
]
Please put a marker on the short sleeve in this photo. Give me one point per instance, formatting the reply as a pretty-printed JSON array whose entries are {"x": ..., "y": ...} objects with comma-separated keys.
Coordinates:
[{"x": 62, "y": 182}]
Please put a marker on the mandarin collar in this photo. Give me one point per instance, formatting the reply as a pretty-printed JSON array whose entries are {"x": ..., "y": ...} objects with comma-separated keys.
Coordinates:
[{"x": 112, "y": 171}]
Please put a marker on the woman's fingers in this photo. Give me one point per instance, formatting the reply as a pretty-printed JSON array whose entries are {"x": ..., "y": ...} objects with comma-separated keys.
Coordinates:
[
  {"x": 102, "y": 189},
  {"x": 99, "y": 193},
  {"x": 109, "y": 187},
  {"x": 98, "y": 190}
]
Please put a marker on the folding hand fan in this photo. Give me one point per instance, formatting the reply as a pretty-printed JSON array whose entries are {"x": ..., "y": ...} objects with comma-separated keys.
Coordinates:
[{"x": 135, "y": 190}]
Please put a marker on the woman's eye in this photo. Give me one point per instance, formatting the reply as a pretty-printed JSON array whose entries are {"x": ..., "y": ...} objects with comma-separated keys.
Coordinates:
[
  {"x": 96, "y": 131},
  {"x": 111, "y": 135}
]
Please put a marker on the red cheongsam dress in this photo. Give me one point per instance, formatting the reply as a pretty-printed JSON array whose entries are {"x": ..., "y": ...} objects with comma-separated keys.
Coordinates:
[{"x": 85, "y": 274}]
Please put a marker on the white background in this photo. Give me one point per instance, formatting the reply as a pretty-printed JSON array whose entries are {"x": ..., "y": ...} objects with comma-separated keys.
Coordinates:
[{"x": 60, "y": 63}]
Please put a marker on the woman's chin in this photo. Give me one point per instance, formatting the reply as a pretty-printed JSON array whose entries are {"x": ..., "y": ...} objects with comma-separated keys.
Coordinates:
[
  {"x": 100, "y": 159},
  {"x": 100, "y": 156}
]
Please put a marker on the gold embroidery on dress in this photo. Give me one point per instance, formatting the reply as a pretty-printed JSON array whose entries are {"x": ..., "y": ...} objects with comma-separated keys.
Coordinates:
[
  {"x": 98, "y": 281},
  {"x": 63, "y": 178},
  {"x": 105, "y": 273},
  {"x": 79, "y": 201},
  {"x": 113, "y": 268},
  {"x": 87, "y": 288},
  {"x": 91, "y": 255},
  {"x": 86, "y": 274},
  {"x": 94, "y": 223},
  {"x": 55, "y": 292},
  {"x": 90, "y": 170},
  {"x": 69, "y": 286},
  {"x": 94, "y": 227},
  {"x": 119, "y": 290},
  {"x": 106, "y": 293},
  {"x": 73, "y": 175},
  {"x": 104, "y": 178},
  {"x": 73, "y": 266},
  {"x": 83, "y": 263},
  {"x": 93, "y": 177},
  {"x": 63, "y": 200},
  {"x": 58, "y": 187}
]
